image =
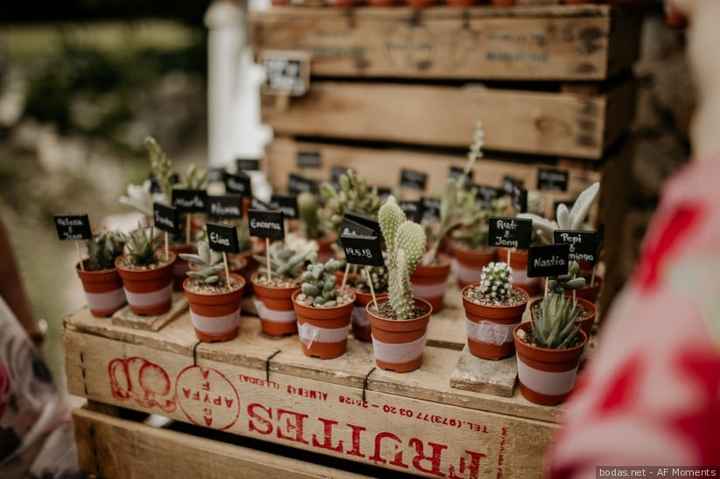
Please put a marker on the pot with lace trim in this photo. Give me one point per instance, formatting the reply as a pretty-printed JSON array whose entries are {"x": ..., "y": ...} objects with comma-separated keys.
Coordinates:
[
  {"x": 273, "y": 301},
  {"x": 470, "y": 262},
  {"x": 323, "y": 331},
  {"x": 430, "y": 282}
]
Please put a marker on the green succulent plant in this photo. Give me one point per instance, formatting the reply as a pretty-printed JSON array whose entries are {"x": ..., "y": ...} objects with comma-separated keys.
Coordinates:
[
  {"x": 378, "y": 276},
  {"x": 161, "y": 166},
  {"x": 406, "y": 242},
  {"x": 103, "y": 249},
  {"x": 208, "y": 266},
  {"x": 141, "y": 247},
  {"x": 353, "y": 195},
  {"x": 568, "y": 282},
  {"x": 495, "y": 283},
  {"x": 319, "y": 284},
  {"x": 555, "y": 325},
  {"x": 195, "y": 178},
  {"x": 286, "y": 263},
  {"x": 308, "y": 210}
]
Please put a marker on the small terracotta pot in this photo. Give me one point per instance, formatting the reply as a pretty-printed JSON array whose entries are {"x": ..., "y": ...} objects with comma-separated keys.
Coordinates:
[
  {"x": 215, "y": 317},
  {"x": 181, "y": 267},
  {"x": 461, "y": 3},
  {"x": 360, "y": 318},
  {"x": 518, "y": 263},
  {"x": 589, "y": 311},
  {"x": 148, "y": 292},
  {"x": 323, "y": 331},
  {"x": 489, "y": 328},
  {"x": 103, "y": 291},
  {"x": 325, "y": 251},
  {"x": 470, "y": 262},
  {"x": 275, "y": 308},
  {"x": 398, "y": 345},
  {"x": 431, "y": 282},
  {"x": 547, "y": 376}
]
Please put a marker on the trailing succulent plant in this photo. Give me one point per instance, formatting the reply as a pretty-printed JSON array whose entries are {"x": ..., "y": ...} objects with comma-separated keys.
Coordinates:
[
  {"x": 319, "y": 284},
  {"x": 141, "y": 247},
  {"x": 565, "y": 219},
  {"x": 308, "y": 210},
  {"x": 207, "y": 266},
  {"x": 495, "y": 284},
  {"x": 555, "y": 325},
  {"x": 406, "y": 244},
  {"x": 286, "y": 263},
  {"x": 103, "y": 249},
  {"x": 568, "y": 282},
  {"x": 354, "y": 195}
]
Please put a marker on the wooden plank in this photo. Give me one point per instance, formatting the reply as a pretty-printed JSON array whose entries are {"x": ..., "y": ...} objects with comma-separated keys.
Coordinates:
[
  {"x": 125, "y": 316},
  {"x": 482, "y": 375},
  {"x": 114, "y": 448},
  {"x": 386, "y": 429},
  {"x": 545, "y": 123},
  {"x": 481, "y": 43}
]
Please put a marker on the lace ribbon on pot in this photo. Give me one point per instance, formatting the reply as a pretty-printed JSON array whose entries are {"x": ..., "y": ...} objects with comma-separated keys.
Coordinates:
[{"x": 309, "y": 334}]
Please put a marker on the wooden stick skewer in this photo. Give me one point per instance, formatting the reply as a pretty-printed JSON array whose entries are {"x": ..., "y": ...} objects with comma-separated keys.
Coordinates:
[
  {"x": 188, "y": 223},
  {"x": 227, "y": 270},
  {"x": 592, "y": 277},
  {"x": 372, "y": 290},
  {"x": 344, "y": 280},
  {"x": 546, "y": 287},
  {"x": 167, "y": 247},
  {"x": 79, "y": 253},
  {"x": 267, "y": 256}
]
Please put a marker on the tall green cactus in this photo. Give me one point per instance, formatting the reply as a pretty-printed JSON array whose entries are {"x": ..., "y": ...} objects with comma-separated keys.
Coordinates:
[
  {"x": 308, "y": 211},
  {"x": 406, "y": 242}
]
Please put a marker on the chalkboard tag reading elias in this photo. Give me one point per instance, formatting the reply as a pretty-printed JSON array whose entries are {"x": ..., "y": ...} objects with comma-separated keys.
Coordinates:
[
  {"x": 308, "y": 159},
  {"x": 266, "y": 224},
  {"x": 287, "y": 72},
  {"x": 239, "y": 184},
  {"x": 544, "y": 261},
  {"x": 189, "y": 201},
  {"x": 550, "y": 179},
  {"x": 73, "y": 227},
  {"x": 223, "y": 238},
  {"x": 299, "y": 184},
  {"x": 285, "y": 203},
  {"x": 413, "y": 210},
  {"x": 510, "y": 232},
  {"x": 364, "y": 250},
  {"x": 584, "y": 245},
  {"x": 415, "y": 180},
  {"x": 227, "y": 206},
  {"x": 166, "y": 218}
]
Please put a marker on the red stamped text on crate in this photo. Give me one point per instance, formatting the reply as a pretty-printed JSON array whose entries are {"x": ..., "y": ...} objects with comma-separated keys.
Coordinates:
[
  {"x": 141, "y": 381},
  {"x": 207, "y": 397}
]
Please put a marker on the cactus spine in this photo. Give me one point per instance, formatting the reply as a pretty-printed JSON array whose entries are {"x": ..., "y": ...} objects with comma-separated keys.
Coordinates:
[{"x": 495, "y": 283}]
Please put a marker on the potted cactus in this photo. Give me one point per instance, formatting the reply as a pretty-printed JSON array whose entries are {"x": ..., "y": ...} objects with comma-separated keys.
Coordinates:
[
  {"x": 399, "y": 322},
  {"x": 214, "y": 303},
  {"x": 101, "y": 282},
  {"x": 274, "y": 288},
  {"x": 353, "y": 195},
  {"x": 312, "y": 228},
  {"x": 493, "y": 308},
  {"x": 548, "y": 351},
  {"x": 359, "y": 283},
  {"x": 147, "y": 277},
  {"x": 323, "y": 311}
]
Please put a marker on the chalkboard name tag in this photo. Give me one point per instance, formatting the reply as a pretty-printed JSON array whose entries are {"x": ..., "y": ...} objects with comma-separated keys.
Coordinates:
[
  {"x": 239, "y": 184},
  {"x": 416, "y": 180},
  {"x": 459, "y": 171},
  {"x": 287, "y": 72},
  {"x": 189, "y": 201},
  {"x": 166, "y": 218},
  {"x": 227, "y": 206},
  {"x": 299, "y": 184},
  {"x": 431, "y": 207},
  {"x": 413, "y": 210},
  {"x": 510, "y": 232},
  {"x": 510, "y": 182},
  {"x": 351, "y": 228},
  {"x": 550, "y": 179},
  {"x": 287, "y": 204},
  {"x": 266, "y": 224},
  {"x": 308, "y": 159},
  {"x": 73, "y": 227},
  {"x": 216, "y": 175},
  {"x": 247, "y": 164},
  {"x": 544, "y": 261},
  {"x": 486, "y": 194},
  {"x": 365, "y": 221},
  {"x": 257, "y": 204},
  {"x": 584, "y": 245},
  {"x": 223, "y": 238},
  {"x": 364, "y": 250}
]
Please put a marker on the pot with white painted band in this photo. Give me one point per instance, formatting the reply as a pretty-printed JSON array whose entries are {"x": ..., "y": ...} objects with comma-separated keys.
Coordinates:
[
  {"x": 430, "y": 282},
  {"x": 489, "y": 327},
  {"x": 275, "y": 308},
  {"x": 547, "y": 376},
  {"x": 398, "y": 345},
  {"x": 215, "y": 315},
  {"x": 323, "y": 331},
  {"x": 360, "y": 319},
  {"x": 103, "y": 291},
  {"x": 470, "y": 262},
  {"x": 148, "y": 289}
]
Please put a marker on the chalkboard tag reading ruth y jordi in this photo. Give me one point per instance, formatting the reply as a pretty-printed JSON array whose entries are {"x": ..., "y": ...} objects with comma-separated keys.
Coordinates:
[
  {"x": 287, "y": 72},
  {"x": 544, "y": 261},
  {"x": 189, "y": 202},
  {"x": 584, "y": 247},
  {"x": 74, "y": 228},
  {"x": 166, "y": 220},
  {"x": 268, "y": 224},
  {"x": 223, "y": 238},
  {"x": 510, "y": 233}
]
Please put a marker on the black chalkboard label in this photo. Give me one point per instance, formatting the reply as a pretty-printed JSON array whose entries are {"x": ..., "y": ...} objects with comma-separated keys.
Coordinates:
[
  {"x": 416, "y": 180},
  {"x": 299, "y": 184},
  {"x": 351, "y": 228},
  {"x": 584, "y": 245},
  {"x": 287, "y": 204},
  {"x": 413, "y": 210},
  {"x": 189, "y": 201},
  {"x": 431, "y": 207},
  {"x": 519, "y": 197},
  {"x": 166, "y": 218},
  {"x": 510, "y": 232},
  {"x": 227, "y": 206},
  {"x": 73, "y": 227},
  {"x": 247, "y": 164},
  {"x": 365, "y": 221},
  {"x": 266, "y": 224},
  {"x": 223, "y": 238},
  {"x": 459, "y": 171},
  {"x": 552, "y": 260},
  {"x": 239, "y": 184},
  {"x": 486, "y": 194},
  {"x": 257, "y": 204},
  {"x": 287, "y": 72},
  {"x": 364, "y": 250},
  {"x": 308, "y": 159},
  {"x": 550, "y": 179},
  {"x": 216, "y": 175}
]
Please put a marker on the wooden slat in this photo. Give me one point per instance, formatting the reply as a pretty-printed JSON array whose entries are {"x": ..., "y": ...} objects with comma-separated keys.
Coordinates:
[
  {"x": 481, "y": 43},
  {"x": 549, "y": 123},
  {"x": 125, "y": 316},
  {"x": 483, "y": 375}
]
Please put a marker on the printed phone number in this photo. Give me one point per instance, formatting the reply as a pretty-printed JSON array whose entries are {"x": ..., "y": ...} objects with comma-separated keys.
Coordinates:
[{"x": 418, "y": 415}]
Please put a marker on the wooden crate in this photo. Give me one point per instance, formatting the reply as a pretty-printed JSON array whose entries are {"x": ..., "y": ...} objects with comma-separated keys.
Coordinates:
[
  {"x": 585, "y": 42},
  {"x": 345, "y": 408}
]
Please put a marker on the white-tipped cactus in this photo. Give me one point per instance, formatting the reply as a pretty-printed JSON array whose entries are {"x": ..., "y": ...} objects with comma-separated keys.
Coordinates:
[{"x": 495, "y": 282}]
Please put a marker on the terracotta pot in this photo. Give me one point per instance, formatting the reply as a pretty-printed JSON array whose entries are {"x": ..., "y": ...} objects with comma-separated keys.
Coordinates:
[
  {"x": 461, "y": 3},
  {"x": 360, "y": 318},
  {"x": 275, "y": 308},
  {"x": 215, "y": 317},
  {"x": 589, "y": 311},
  {"x": 470, "y": 262},
  {"x": 181, "y": 267},
  {"x": 148, "y": 292},
  {"x": 489, "y": 328},
  {"x": 547, "y": 376},
  {"x": 323, "y": 331},
  {"x": 398, "y": 345},
  {"x": 420, "y": 3},
  {"x": 518, "y": 263},
  {"x": 431, "y": 282},
  {"x": 103, "y": 291},
  {"x": 325, "y": 251}
]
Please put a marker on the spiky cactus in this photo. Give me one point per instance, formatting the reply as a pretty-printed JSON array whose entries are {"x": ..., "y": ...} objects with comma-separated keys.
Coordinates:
[
  {"x": 495, "y": 284},
  {"x": 406, "y": 244},
  {"x": 570, "y": 281},
  {"x": 309, "y": 219},
  {"x": 555, "y": 325},
  {"x": 103, "y": 249},
  {"x": 207, "y": 265},
  {"x": 286, "y": 263},
  {"x": 141, "y": 247},
  {"x": 319, "y": 284},
  {"x": 354, "y": 195}
]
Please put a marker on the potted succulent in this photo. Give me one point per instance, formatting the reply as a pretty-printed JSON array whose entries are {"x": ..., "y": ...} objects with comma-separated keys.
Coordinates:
[
  {"x": 274, "y": 289},
  {"x": 146, "y": 275},
  {"x": 214, "y": 303},
  {"x": 353, "y": 195},
  {"x": 101, "y": 282},
  {"x": 323, "y": 311},
  {"x": 363, "y": 296},
  {"x": 548, "y": 351},
  {"x": 312, "y": 228},
  {"x": 399, "y": 322},
  {"x": 493, "y": 308},
  {"x": 572, "y": 284}
]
